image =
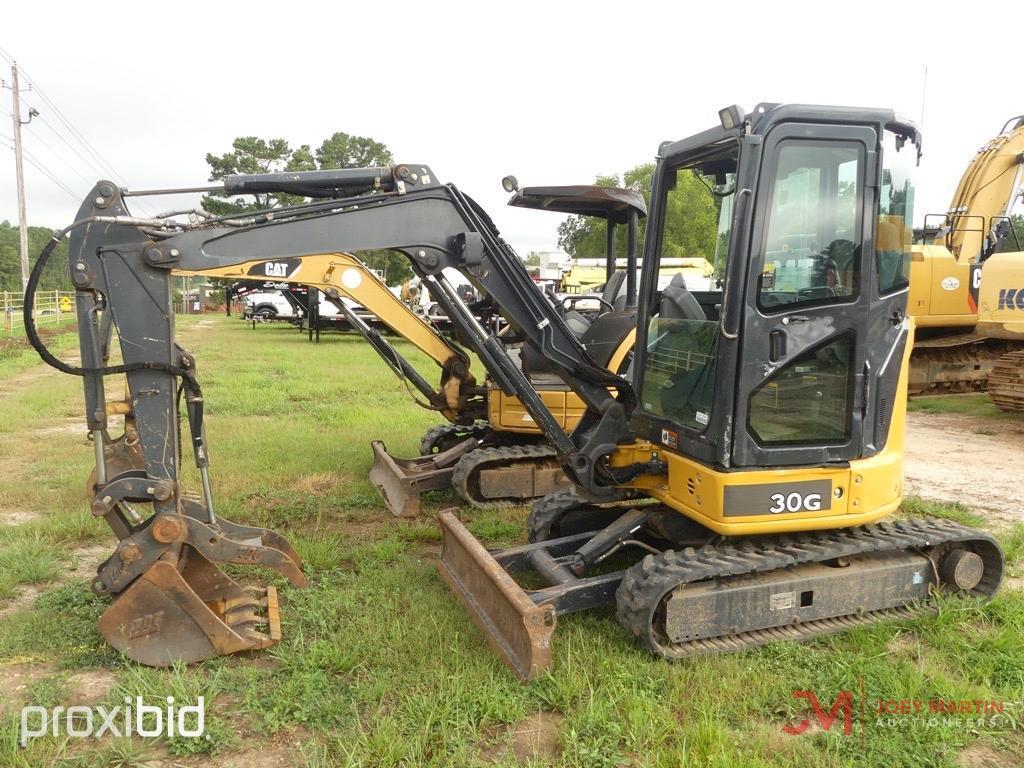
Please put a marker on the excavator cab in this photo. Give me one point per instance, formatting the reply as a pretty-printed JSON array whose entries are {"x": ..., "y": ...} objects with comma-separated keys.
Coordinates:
[{"x": 807, "y": 323}]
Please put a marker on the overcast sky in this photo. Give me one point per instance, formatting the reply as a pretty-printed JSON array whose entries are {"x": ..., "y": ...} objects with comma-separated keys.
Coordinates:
[{"x": 552, "y": 92}]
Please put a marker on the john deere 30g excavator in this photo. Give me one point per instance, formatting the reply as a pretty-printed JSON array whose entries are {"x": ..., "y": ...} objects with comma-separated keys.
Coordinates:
[{"x": 752, "y": 454}]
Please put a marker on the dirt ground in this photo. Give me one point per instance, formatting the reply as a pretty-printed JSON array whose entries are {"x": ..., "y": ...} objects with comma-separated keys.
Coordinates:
[{"x": 979, "y": 462}]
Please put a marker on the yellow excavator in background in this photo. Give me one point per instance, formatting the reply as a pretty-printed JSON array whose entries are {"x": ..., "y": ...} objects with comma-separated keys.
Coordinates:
[
  {"x": 490, "y": 452},
  {"x": 967, "y": 282}
]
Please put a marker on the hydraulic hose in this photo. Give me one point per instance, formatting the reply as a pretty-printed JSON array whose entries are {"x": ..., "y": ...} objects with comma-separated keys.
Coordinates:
[{"x": 50, "y": 359}]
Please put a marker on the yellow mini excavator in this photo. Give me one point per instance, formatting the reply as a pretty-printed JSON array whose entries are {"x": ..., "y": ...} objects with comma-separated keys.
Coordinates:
[
  {"x": 749, "y": 459},
  {"x": 491, "y": 452},
  {"x": 967, "y": 281}
]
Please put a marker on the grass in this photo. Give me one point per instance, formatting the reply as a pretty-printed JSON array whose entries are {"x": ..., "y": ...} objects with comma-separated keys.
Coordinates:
[
  {"x": 16, "y": 355},
  {"x": 976, "y": 405},
  {"x": 380, "y": 665}
]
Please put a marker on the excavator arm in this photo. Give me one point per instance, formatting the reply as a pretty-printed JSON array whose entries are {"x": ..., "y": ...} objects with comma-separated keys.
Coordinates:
[
  {"x": 985, "y": 195},
  {"x": 125, "y": 263}
]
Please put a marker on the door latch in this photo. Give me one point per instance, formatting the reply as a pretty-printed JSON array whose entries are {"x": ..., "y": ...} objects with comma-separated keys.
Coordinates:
[
  {"x": 776, "y": 345},
  {"x": 897, "y": 317}
]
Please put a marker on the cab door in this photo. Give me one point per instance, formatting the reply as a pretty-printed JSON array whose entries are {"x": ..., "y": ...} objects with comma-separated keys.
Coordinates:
[{"x": 816, "y": 336}]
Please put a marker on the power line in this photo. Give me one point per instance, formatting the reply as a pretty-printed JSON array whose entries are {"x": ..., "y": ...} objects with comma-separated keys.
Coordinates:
[
  {"x": 102, "y": 162},
  {"x": 56, "y": 154},
  {"x": 70, "y": 193},
  {"x": 100, "y": 173},
  {"x": 49, "y": 175},
  {"x": 45, "y": 169}
]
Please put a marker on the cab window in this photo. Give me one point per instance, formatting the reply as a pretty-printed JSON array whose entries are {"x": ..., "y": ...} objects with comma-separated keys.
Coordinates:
[
  {"x": 896, "y": 202},
  {"x": 811, "y": 249},
  {"x": 677, "y": 381}
]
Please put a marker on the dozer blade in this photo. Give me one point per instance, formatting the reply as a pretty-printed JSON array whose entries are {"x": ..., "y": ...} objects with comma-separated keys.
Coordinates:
[
  {"x": 518, "y": 629},
  {"x": 188, "y": 610},
  {"x": 401, "y": 481}
]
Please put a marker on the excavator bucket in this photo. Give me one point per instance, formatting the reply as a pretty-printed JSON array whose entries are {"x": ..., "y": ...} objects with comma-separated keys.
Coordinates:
[
  {"x": 185, "y": 609},
  {"x": 519, "y": 629},
  {"x": 401, "y": 481}
]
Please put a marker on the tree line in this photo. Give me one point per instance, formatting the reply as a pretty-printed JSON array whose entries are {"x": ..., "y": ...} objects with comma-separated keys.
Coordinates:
[
  {"x": 692, "y": 234},
  {"x": 56, "y": 274}
]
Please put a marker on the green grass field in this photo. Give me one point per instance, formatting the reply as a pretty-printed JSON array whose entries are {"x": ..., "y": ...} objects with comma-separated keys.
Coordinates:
[{"x": 380, "y": 665}]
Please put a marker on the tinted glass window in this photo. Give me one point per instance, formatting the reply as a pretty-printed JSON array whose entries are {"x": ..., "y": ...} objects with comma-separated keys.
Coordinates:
[
  {"x": 895, "y": 214},
  {"x": 807, "y": 401},
  {"x": 812, "y": 240},
  {"x": 678, "y": 375}
]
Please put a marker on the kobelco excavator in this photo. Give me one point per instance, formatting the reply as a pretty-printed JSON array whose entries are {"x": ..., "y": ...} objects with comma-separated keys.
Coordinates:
[
  {"x": 967, "y": 281},
  {"x": 749, "y": 458}
]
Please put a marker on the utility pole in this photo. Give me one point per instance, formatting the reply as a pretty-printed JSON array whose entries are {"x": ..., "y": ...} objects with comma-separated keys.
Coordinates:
[{"x": 22, "y": 220}]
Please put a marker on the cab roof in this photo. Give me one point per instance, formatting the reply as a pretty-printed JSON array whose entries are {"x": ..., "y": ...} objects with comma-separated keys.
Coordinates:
[{"x": 612, "y": 203}]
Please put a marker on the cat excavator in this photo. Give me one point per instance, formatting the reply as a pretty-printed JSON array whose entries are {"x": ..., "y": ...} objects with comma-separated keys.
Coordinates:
[
  {"x": 967, "y": 281},
  {"x": 749, "y": 460},
  {"x": 490, "y": 452}
]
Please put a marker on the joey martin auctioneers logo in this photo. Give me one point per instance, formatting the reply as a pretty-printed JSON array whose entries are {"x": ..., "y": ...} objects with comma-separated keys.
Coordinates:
[{"x": 134, "y": 718}]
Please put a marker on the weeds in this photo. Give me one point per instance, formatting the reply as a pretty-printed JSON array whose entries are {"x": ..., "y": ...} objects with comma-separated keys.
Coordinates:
[{"x": 380, "y": 665}]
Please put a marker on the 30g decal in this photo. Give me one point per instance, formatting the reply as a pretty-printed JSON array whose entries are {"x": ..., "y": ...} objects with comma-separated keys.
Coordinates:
[
  {"x": 759, "y": 499},
  {"x": 795, "y": 502}
]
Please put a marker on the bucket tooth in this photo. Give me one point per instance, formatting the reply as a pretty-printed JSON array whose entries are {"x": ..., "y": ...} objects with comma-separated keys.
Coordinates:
[
  {"x": 187, "y": 610},
  {"x": 519, "y": 629}
]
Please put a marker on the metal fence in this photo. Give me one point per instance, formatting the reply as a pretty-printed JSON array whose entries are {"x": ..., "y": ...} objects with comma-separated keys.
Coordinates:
[{"x": 51, "y": 309}]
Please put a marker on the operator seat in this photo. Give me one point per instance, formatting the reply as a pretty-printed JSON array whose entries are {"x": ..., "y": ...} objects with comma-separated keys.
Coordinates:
[
  {"x": 601, "y": 335},
  {"x": 677, "y": 303},
  {"x": 615, "y": 291}
]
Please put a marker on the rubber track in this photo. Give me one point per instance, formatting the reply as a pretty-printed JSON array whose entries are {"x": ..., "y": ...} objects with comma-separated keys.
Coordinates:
[
  {"x": 1006, "y": 382},
  {"x": 430, "y": 438},
  {"x": 646, "y": 584},
  {"x": 503, "y": 455},
  {"x": 549, "y": 509}
]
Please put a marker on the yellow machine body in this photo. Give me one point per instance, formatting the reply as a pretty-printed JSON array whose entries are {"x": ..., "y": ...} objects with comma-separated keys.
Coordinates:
[
  {"x": 507, "y": 413},
  {"x": 862, "y": 492},
  {"x": 1001, "y": 297},
  {"x": 940, "y": 289}
]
